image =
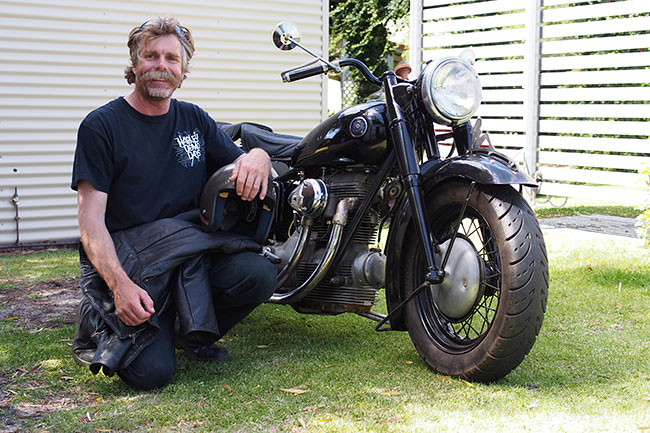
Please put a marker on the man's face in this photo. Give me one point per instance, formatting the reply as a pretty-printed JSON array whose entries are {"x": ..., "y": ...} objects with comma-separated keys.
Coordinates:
[{"x": 159, "y": 68}]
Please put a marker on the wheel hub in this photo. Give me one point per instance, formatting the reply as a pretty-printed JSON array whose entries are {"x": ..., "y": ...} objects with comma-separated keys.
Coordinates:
[{"x": 461, "y": 288}]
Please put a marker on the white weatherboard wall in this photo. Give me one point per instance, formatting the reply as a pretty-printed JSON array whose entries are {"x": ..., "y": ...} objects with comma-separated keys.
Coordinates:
[
  {"x": 61, "y": 59},
  {"x": 571, "y": 79}
]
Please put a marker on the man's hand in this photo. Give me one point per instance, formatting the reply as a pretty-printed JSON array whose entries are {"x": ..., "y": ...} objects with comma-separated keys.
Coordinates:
[
  {"x": 251, "y": 172},
  {"x": 132, "y": 303}
]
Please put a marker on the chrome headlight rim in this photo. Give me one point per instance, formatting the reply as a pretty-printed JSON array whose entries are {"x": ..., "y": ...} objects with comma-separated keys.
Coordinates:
[{"x": 428, "y": 92}]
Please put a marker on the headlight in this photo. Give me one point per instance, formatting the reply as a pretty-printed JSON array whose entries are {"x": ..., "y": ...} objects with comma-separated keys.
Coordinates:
[{"x": 451, "y": 90}]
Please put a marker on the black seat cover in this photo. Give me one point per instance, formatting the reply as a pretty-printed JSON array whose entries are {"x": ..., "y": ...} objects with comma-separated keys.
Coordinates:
[{"x": 252, "y": 135}]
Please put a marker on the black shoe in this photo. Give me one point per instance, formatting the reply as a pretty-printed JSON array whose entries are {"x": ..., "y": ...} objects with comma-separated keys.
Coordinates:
[
  {"x": 83, "y": 347},
  {"x": 210, "y": 353}
]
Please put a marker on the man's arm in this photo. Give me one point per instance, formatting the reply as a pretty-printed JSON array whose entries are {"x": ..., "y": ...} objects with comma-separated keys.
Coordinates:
[
  {"x": 251, "y": 172},
  {"x": 132, "y": 303}
]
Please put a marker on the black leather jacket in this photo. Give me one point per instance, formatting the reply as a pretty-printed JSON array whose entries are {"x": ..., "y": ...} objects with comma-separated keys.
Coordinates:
[{"x": 166, "y": 258}]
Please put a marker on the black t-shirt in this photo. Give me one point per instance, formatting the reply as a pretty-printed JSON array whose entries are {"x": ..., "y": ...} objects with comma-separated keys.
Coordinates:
[{"x": 151, "y": 167}]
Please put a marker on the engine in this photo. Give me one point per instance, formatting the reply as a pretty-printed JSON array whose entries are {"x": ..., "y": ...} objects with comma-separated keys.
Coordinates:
[{"x": 351, "y": 285}]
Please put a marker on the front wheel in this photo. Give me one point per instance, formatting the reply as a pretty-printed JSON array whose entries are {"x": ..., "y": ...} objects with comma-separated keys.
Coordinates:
[{"x": 483, "y": 319}]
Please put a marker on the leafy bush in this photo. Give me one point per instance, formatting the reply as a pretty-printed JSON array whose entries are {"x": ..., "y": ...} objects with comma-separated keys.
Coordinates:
[
  {"x": 643, "y": 220},
  {"x": 363, "y": 26}
]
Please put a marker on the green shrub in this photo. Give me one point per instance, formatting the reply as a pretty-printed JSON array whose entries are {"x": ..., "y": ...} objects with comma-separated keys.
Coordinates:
[{"x": 643, "y": 220}]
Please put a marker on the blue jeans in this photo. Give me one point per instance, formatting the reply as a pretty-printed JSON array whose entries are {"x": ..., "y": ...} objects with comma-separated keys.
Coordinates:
[{"x": 240, "y": 282}]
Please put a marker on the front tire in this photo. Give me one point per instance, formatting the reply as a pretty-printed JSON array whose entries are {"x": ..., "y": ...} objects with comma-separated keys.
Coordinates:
[{"x": 502, "y": 322}]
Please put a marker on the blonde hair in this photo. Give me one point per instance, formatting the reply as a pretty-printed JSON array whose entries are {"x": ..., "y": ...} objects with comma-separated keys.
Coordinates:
[{"x": 153, "y": 29}]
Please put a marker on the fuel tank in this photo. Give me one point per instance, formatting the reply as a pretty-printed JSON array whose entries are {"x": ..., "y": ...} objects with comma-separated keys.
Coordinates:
[{"x": 356, "y": 135}]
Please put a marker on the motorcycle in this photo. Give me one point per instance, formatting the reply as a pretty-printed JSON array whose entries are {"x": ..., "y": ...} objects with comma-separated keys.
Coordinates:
[{"x": 464, "y": 263}]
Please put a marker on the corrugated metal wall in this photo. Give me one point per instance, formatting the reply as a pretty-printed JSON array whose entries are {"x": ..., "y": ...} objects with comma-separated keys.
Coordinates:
[{"x": 61, "y": 59}]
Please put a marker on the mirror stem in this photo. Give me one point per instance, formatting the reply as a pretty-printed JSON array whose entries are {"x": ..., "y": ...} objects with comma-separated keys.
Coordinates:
[{"x": 332, "y": 66}]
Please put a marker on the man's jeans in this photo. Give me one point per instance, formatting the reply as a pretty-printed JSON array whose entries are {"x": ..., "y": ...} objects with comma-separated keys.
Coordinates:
[{"x": 240, "y": 282}]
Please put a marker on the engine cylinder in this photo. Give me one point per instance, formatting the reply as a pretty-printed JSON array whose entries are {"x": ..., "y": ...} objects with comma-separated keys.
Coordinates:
[{"x": 309, "y": 198}]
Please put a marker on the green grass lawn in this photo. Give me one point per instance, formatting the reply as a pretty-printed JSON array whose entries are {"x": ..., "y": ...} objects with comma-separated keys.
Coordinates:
[
  {"x": 41, "y": 266},
  {"x": 620, "y": 211},
  {"x": 588, "y": 372}
]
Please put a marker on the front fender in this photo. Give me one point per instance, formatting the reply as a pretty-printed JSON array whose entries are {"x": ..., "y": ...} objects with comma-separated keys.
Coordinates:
[{"x": 483, "y": 167}]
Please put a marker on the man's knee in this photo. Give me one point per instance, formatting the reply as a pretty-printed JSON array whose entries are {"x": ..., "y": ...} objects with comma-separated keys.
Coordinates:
[
  {"x": 265, "y": 276},
  {"x": 245, "y": 277},
  {"x": 155, "y": 365},
  {"x": 156, "y": 375},
  {"x": 260, "y": 277}
]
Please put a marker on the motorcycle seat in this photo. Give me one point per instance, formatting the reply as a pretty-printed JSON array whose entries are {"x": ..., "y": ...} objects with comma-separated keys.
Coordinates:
[{"x": 280, "y": 147}]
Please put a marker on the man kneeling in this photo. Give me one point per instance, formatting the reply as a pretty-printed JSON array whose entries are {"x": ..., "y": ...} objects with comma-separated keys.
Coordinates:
[{"x": 152, "y": 280}]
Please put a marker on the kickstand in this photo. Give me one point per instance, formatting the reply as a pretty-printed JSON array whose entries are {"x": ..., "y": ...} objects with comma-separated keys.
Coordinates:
[{"x": 399, "y": 307}]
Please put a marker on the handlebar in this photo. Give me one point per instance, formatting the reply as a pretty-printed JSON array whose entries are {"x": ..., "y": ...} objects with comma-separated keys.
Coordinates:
[
  {"x": 299, "y": 74},
  {"x": 362, "y": 68}
]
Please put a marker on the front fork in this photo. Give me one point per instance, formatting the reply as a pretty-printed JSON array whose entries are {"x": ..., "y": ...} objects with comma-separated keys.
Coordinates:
[{"x": 410, "y": 169}]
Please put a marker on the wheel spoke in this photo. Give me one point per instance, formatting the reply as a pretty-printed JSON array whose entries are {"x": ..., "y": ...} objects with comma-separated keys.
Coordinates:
[
  {"x": 491, "y": 286},
  {"x": 486, "y": 243},
  {"x": 492, "y": 299},
  {"x": 471, "y": 321},
  {"x": 473, "y": 228},
  {"x": 461, "y": 331}
]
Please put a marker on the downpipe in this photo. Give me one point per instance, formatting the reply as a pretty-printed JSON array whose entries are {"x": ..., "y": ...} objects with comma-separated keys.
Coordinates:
[
  {"x": 297, "y": 253},
  {"x": 338, "y": 223},
  {"x": 15, "y": 201}
]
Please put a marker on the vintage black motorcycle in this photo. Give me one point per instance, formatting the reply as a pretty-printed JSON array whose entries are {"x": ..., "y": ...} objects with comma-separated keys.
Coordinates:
[{"x": 464, "y": 263}]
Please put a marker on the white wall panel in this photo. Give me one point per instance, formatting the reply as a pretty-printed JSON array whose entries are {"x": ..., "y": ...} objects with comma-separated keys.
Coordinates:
[
  {"x": 592, "y": 73},
  {"x": 63, "y": 58}
]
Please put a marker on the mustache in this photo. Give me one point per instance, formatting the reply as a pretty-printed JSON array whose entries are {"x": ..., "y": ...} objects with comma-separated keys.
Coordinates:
[{"x": 159, "y": 76}]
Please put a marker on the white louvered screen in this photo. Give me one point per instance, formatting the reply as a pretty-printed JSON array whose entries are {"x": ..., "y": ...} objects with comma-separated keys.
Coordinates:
[
  {"x": 594, "y": 94},
  {"x": 61, "y": 59}
]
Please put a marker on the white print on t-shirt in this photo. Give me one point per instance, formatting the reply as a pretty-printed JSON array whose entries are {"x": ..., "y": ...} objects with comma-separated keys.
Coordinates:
[{"x": 190, "y": 148}]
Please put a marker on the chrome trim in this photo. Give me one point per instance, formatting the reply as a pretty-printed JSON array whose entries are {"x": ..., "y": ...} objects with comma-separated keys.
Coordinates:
[
  {"x": 338, "y": 221},
  {"x": 296, "y": 254}
]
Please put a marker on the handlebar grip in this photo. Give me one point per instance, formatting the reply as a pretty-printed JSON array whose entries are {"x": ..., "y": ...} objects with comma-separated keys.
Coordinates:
[{"x": 299, "y": 74}]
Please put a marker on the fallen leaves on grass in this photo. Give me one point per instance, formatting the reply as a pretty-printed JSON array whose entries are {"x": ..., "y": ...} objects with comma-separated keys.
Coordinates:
[
  {"x": 296, "y": 389},
  {"x": 391, "y": 420},
  {"x": 264, "y": 346},
  {"x": 227, "y": 387},
  {"x": 461, "y": 381}
]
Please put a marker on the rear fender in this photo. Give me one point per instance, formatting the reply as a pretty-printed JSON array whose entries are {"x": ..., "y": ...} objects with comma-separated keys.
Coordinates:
[{"x": 483, "y": 167}]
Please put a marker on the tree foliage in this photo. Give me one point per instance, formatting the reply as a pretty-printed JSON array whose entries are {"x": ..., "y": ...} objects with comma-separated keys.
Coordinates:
[{"x": 362, "y": 27}]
